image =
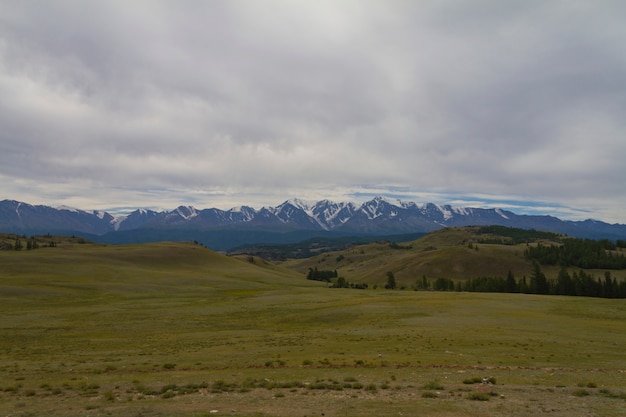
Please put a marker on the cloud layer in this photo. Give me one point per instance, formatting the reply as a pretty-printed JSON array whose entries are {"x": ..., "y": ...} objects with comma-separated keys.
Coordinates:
[{"x": 158, "y": 103}]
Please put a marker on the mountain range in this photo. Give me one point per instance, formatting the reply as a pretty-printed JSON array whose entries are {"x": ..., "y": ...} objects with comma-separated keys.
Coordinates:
[{"x": 292, "y": 221}]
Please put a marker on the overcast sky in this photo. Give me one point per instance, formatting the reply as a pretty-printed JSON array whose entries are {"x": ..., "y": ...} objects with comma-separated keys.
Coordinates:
[{"x": 119, "y": 104}]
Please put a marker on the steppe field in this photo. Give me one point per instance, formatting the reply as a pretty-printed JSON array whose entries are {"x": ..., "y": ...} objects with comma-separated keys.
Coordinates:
[{"x": 173, "y": 329}]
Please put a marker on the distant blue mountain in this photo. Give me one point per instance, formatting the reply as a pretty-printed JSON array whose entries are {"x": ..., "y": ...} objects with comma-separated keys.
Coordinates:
[{"x": 292, "y": 221}]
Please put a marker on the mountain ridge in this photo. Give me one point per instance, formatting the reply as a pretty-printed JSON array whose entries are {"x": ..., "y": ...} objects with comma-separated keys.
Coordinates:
[{"x": 294, "y": 218}]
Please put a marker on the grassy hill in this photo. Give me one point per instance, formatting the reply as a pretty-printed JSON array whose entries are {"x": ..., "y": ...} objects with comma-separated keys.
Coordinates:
[
  {"x": 454, "y": 253},
  {"x": 136, "y": 269},
  {"x": 174, "y": 329}
]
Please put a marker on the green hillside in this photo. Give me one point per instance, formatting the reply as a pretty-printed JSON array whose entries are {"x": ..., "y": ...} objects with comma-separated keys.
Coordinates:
[
  {"x": 454, "y": 253},
  {"x": 135, "y": 269},
  {"x": 174, "y": 329}
]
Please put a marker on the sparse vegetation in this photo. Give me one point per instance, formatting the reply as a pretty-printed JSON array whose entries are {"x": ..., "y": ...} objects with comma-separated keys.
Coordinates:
[{"x": 211, "y": 332}]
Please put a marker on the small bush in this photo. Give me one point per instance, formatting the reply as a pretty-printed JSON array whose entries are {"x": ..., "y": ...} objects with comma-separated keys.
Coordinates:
[
  {"x": 433, "y": 385},
  {"x": 479, "y": 380},
  {"x": 371, "y": 388},
  {"x": 429, "y": 394},
  {"x": 478, "y": 396},
  {"x": 222, "y": 386},
  {"x": 168, "y": 387},
  {"x": 474, "y": 380},
  {"x": 169, "y": 366},
  {"x": 610, "y": 394},
  {"x": 581, "y": 393}
]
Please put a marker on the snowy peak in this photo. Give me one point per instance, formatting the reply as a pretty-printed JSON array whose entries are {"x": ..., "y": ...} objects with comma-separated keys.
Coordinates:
[
  {"x": 301, "y": 204},
  {"x": 186, "y": 212},
  {"x": 330, "y": 215},
  {"x": 295, "y": 212},
  {"x": 377, "y": 216},
  {"x": 243, "y": 213}
]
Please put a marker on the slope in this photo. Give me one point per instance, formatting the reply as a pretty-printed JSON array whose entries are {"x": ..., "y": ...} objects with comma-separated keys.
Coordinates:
[
  {"x": 454, "y": 253},
  {"x": 92, "y": 271}
]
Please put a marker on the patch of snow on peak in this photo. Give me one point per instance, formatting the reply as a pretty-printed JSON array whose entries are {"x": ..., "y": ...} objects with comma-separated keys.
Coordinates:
[
  {"x": 247, "y": 212},
  {"x": 118, "y": 220},
  {"x": 301, "y": 204},
  {"x": 68, "y": 208},
  {"x": 463, "y": 211},
  {"x": 191, "y": 212},
  {"x": 447, "y": 214},
  {"x": 501, "y": 213}
]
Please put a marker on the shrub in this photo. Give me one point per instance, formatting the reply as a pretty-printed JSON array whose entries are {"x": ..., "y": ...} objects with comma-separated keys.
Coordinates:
[
  {"x": 474, "y": 380},
  {"x": 479, "y": 380},
  {"x": 169, "y": 366},
  {"x": 478, "y": 396},
  {"x": 433, "y": 385},
  {"x": 168, "y": 387},
  {"x": 371, "y": 388},
  {"x": 609, "y": 394},
  {"x": 581, "y": 393},
  {"x": 429, "y": 394},
  {"x": 222, "y": 386}
]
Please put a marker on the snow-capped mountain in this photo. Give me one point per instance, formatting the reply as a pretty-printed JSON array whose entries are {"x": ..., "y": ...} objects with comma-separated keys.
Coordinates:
[{"x": 295, "y": 218}]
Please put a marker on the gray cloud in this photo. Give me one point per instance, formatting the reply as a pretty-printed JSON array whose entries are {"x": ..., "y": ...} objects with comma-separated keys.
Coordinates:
[{"x": 157, "y": 103}]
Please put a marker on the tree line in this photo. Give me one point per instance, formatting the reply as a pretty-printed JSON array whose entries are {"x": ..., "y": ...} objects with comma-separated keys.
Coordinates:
[
  {"x": 321, "y": 275},
  {"x": 581, "y": 253},
  {"x": 579, "y": 283}
]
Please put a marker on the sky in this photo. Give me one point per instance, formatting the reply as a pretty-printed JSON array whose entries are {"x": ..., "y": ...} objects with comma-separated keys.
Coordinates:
[{"x": 115, "y": 105}]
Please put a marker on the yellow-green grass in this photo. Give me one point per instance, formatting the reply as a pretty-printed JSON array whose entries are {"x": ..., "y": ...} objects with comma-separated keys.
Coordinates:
[
  {"x": 174, "y": 329},
  {"x": 454, "y": 253}
]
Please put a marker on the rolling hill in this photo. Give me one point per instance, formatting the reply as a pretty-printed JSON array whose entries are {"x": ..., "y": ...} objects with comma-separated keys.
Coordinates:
[{"x": 454, "y": 253}]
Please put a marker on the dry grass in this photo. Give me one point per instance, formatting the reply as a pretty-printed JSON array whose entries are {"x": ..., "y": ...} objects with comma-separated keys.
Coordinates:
[
  {"x": 448, "y": 253},
  {"x": 177, "y": 330}
]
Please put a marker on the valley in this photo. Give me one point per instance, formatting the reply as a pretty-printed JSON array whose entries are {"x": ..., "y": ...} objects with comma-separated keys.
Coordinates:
[{"x": 174, "y": 329}]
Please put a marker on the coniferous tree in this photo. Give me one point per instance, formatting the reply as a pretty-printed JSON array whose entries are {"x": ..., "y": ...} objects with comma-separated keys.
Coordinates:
[
  {"x": 511, "y": 285},
  {"x": 391, "y": 281}
]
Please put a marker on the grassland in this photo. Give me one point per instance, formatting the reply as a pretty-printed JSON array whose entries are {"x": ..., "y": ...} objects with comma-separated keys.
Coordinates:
[
  {"x": 454, "y": 253},
  {"x": 177, "y": 330}
]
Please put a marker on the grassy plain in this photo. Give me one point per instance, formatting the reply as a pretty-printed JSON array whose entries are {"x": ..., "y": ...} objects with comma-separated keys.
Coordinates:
[{"x": 173, "y": 329}]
